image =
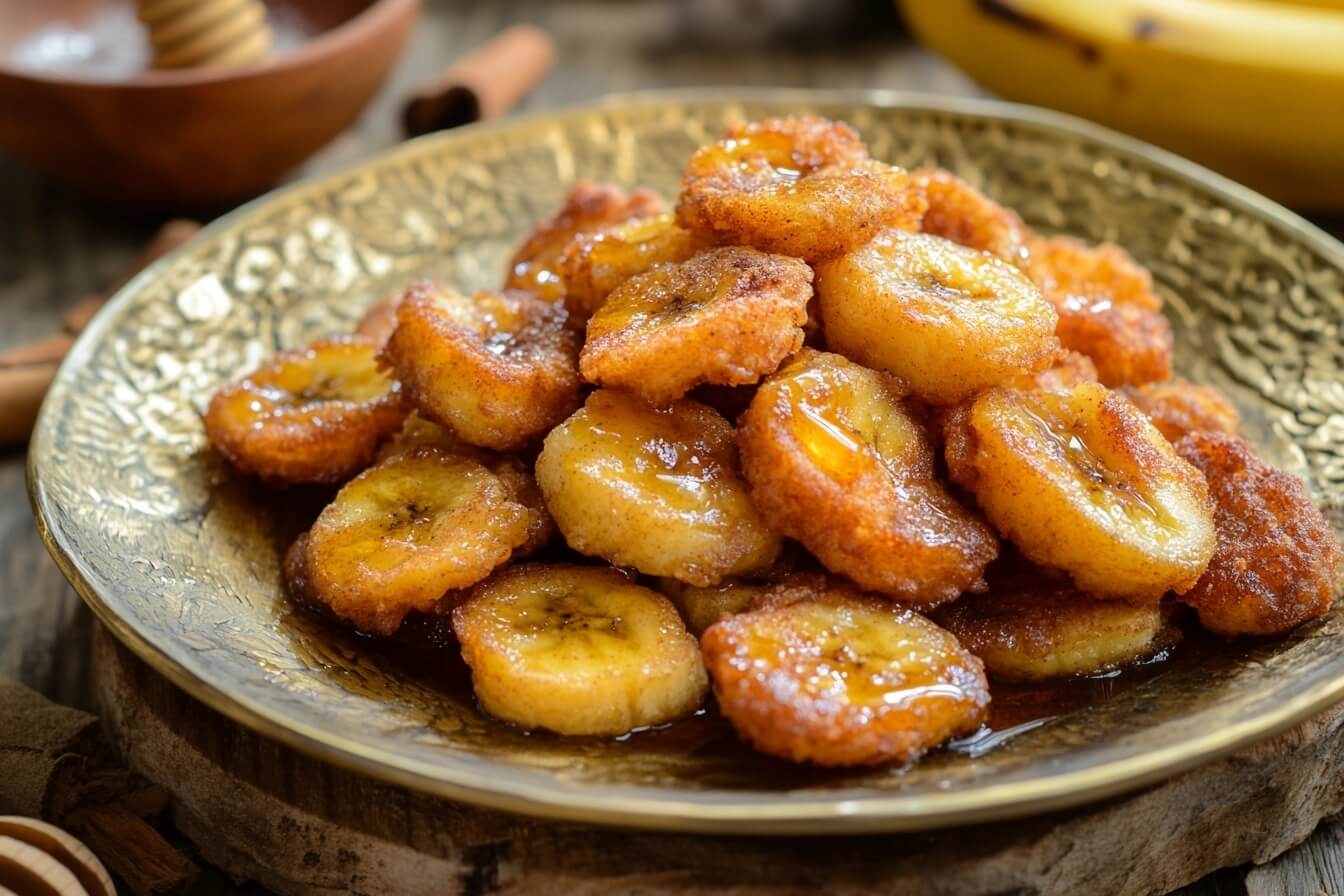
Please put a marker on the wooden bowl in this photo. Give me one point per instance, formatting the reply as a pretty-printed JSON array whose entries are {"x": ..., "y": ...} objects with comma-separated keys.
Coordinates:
[{"x": 192, "y": 138}]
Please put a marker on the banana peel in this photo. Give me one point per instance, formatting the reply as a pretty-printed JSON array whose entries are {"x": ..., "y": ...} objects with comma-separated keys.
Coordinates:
[{"x": 1254, "y": 90}]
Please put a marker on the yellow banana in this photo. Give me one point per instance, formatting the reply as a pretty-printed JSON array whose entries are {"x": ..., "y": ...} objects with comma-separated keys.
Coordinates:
[{"x": 1253, "y": 90}]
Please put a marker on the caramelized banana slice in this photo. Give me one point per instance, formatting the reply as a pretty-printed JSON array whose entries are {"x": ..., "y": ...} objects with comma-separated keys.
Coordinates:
[
  {"x": 702, "y": 607},
  {"x": 315, "y": 414},
  {"x": 403, "y": 533},
  {"x": 1081, "y": 481},
  {"x": 946, "y": 320},
  {"x": 498, "y": 369},
  {"x": 960, "y": 213},
  {"x": 726, "y": 316},
  {"x": 1278, "y": 561},
  {"x": 841, "y": 679},
  {"x": 835, "y": 460},
  {"x": 513, "y": 472},
  {"x": 578, "y": 650},
  {"x": 380, "y": 320},
  {"x": 297, "y": 574},
  {"x": 536, "y": 266},
  {"x": 797, "y": 186},
  {"x": 594, "y": 264},
  {"x": 1179, "y": 408},
  {"x": 1035, "y": 628},
  {"x": 656, "y": 489},
  {"x": 1107, "y": 308}
]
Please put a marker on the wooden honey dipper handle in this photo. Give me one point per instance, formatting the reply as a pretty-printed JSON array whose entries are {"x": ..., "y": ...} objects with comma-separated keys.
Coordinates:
[{"x": 186, "y": 33}]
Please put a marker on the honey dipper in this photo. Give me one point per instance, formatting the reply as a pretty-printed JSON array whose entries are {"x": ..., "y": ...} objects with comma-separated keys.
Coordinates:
[{"x": 186, "y": 33}]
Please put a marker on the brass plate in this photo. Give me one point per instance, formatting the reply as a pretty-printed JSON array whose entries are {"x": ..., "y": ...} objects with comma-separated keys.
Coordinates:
[{"x": 180, "y": 560}]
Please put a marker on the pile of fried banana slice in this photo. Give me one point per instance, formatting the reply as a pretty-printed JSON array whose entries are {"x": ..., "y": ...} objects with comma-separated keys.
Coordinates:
[{"x": 839, "y": 441}]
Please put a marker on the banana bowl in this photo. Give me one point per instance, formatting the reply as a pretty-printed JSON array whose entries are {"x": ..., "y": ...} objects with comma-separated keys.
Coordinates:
[{"x": 181, "y": 560}]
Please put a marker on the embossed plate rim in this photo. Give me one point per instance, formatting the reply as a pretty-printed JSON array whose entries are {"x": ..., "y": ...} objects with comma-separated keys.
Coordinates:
[{"x": 713, "y": 811}]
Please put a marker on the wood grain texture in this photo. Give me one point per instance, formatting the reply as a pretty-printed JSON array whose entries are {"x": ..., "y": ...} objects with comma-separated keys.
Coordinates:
[{"x": 55, "y": 247}]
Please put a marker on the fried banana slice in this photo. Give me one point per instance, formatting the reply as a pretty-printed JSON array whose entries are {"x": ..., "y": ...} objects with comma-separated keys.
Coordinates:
[
  {"x": 405, "y": 532},
  {"x": 1178, "y": 408},
  {"x": 315, "y": 414},
  {"x": 655, "y": 489},
  {"x": 961, "y": 213},
  {"x": 514, "y": 472},
  {"x": 702, "y": 607},
  {"x": 536, "y": 266},
  {"x": 1035, "y": 628},
  {"x": 1107, "y": 308},
  {"x": 797, "y": 186},
  {"x": 595, "y": 264},
  {"x": 1081, "y": 481},
  {"x": 498, "y": 369},
  {"x": 380, "y": 320},
  {"x": 578, "y": 650},
  {"x": 836, "y": 461},
  {"x": 297, "y": 574},
  {"x": 726, "y": 316},
  {"x": 841, "y": 679},
  {"x": 946, "y": 320},
  {"x": 1278, "y": 562}
]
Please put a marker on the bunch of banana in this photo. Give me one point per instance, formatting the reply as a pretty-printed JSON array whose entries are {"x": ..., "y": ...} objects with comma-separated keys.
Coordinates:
[{"x": 1254, "y": 90}]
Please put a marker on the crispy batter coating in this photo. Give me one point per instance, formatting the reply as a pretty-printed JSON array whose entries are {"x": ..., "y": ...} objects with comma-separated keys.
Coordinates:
[
  {"x": 578, "y": 650},
  {"x": 842, "y": 679},
  {"x": 1081, "y": 481},
  {"x": 725, "y": 316},
  {"x": 946, "y": 320},
  {"x": 1107, "y": 308},
  {"x": 408, "y": 530},
  {"x": 315, "y": 414},
  {"x": 498, "y": 369},
  {"x": 297, "y": 574},
  {"x": 797, "y": 186},
  {"x": 596, "y": 263},
  {"x": 655, "y": 489},
  {"x": 536, "y": 266},
  {"x": 836, "y": 461},
  {"x": 1030, "y": 627},
  {"x": 961, "y": 213},
  {"x": 380, "y": 320},
  {"x": 1278, "y": 562},
  {"x": 1178, "y": 408},
  {"x": 514, "y": 472}
]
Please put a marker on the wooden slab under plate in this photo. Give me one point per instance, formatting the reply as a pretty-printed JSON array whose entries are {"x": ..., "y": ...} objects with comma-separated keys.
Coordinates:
[{"x": 265, "y": 812}]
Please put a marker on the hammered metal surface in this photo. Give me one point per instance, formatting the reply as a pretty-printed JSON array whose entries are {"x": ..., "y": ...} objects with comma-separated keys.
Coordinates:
[{"x": 182, "y": 560}]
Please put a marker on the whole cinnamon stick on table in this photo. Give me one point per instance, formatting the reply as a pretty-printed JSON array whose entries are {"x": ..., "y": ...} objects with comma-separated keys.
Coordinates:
[{"x": 26, "y": 371}]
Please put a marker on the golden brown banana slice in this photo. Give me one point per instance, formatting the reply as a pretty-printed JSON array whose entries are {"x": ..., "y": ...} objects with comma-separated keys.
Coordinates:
[
  {"x": 403, "y": 533},
  {"x": 655, "y": 489},
  {"x": 726, "y": 316},
  {"x": 498, "y": 369},
  {"x": 297, "y": 574},
  {"x": 836, "y": 461},
  {"x": 514, "y": 472},
  {"x": 594, "y": 264},
  {"x": 380, "y": 320},
  {"x": 960, "y": 213},
  {"x": 1107, "y": 308},
  {"x": 1033, "y": 628},
  {"x": 702, "y": 607},
  {"x": 1178, "y": 408},
  {"x": 797, "y": 186},
  {"x": 1081, "y": 481},
  {"x": 946, "y": 320},
  {"x": 536, "y": 266},
  {"x": 843, "y": 679},
  {"x": 578, "y": 650},
  {"x": 315, "y": 414},
  {"x": 1278, "y": 562}
]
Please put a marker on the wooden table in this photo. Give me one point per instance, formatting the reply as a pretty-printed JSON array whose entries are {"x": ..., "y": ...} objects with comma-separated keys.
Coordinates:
[{"x": 55, "y": 247}]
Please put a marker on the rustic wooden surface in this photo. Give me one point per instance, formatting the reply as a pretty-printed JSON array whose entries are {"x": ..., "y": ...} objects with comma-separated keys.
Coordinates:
[{"x": 55, "y": 247}]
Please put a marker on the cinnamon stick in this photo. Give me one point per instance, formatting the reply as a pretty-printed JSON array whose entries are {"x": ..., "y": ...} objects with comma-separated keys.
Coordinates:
[
  {"x": 27, "y": 371},
  {"x": 483, "y": 84}
]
